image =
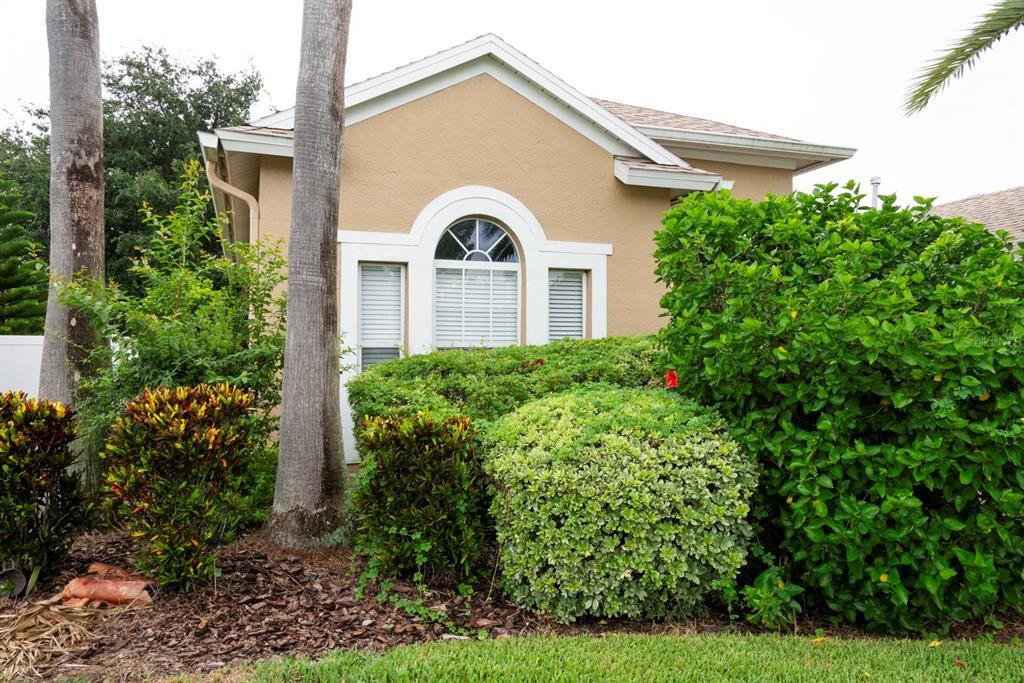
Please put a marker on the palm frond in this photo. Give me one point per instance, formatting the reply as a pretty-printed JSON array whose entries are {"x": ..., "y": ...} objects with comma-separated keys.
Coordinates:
[{"x": 1004, "y": 17}]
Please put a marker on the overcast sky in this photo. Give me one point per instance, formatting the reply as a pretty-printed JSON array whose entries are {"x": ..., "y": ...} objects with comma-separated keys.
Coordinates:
[{"x": 823, "y": 71}]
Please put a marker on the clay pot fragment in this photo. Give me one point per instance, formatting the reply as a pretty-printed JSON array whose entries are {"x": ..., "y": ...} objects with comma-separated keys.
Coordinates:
[{"x": 112, "y": 591}]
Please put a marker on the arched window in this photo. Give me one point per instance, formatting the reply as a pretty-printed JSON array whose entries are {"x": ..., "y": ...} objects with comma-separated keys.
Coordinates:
[{"x": 476, "y": 286}]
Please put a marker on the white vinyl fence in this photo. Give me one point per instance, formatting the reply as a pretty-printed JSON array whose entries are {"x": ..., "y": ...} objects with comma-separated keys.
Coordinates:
[{"x": 20, "y": 356}]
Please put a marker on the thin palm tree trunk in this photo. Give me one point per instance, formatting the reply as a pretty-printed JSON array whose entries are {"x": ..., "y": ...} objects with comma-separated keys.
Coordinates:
[
  {"x": 76, "y": 194},
  {"x": 309, "y": 494}
]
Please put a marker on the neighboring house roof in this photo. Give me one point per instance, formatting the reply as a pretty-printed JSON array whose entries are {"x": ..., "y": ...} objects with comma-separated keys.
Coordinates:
[
  {"x": 1003, "y": 210},
  {"x": 657, "y": 139}
]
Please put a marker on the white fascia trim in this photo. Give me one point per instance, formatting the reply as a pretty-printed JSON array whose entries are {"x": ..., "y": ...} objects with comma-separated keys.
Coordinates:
[
  {"x": 672, "y": 180},
  {"x": 532, "y": 80},
  {"x": 207, "y": 140},
  {"x": 254, "y": 143},
  {"x": 727, "y": 140}
]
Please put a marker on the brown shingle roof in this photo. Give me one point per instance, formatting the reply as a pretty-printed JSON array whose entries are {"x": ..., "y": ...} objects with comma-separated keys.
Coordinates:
[
  {"x": 262, "y": 130},
  {"x": 1002, "y": 210},
  {"x": 638, "y": 162},
  {"x": 635, "y": 116},
  {"x": 642, "y": 116}
]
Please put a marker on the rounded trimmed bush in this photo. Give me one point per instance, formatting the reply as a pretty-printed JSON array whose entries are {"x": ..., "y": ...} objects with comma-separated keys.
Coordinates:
[{"x": 617, "y": 502}]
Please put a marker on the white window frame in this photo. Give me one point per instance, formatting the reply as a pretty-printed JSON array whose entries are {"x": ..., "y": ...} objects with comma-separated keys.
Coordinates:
[
  {"x": 585, "y": 284},
  {"x": 401, "y": 307},
  {"x": 416, "y": 249}
]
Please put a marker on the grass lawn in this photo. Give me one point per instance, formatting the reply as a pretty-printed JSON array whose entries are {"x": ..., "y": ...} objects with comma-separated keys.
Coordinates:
[{"x": 660, "y": 658}]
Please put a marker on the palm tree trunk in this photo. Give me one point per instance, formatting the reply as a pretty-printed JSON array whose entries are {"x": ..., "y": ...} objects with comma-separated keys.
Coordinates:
[
  {"x": 309, "y": 494},
  {"x": 76, "y": 193}
]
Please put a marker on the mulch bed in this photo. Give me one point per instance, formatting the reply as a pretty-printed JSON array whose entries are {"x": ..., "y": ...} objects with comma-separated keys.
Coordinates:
[{"x": 269, "y": 602}]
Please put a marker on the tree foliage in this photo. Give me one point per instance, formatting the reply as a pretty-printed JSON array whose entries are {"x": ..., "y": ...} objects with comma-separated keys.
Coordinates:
[
  {"x": 873, "y": 360},
  {"x": 153, "y": 105},
  {"x": 1005, "y": 16},
  {"x": 23, "y": 278}
]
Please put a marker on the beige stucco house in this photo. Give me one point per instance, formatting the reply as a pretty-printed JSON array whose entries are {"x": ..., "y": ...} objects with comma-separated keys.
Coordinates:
[{"x": 485, "y": 201}]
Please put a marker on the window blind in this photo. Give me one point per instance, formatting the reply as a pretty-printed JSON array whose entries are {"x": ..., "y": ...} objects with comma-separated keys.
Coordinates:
[
  {"x": 380, "y": 312},
  {"x": 566, "y": 315},
  {"x": 476, "y": 307}
]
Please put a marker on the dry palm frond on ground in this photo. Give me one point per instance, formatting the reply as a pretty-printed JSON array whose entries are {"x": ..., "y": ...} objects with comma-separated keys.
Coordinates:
[{"x": 32, "y": 635}]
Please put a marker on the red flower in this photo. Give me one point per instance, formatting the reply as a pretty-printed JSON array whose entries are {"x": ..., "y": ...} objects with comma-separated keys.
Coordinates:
[{"x": 671, "y": 379}]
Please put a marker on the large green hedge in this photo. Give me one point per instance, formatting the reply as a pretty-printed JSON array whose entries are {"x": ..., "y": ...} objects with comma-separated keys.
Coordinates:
[
  {"x": 873, "y": 359},
  {"x": 617, "y": 502},
  {"x": 486, "y": 383}
]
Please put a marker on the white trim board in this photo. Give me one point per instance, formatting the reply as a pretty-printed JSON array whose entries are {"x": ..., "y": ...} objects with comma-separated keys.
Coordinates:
[
  {"x": 486, "y": 54},
  {"x": 667, "y": 178}
]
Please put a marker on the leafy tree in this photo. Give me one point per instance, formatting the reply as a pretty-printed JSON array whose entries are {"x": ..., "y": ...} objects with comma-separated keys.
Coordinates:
[
  {"x": 872, "y": 360},
  {"x": 197, "y": 318},
  {"x": 1005, "y": 16},
  {"x": 22, "y": 274},
  {"x": 153, "y": 106}
]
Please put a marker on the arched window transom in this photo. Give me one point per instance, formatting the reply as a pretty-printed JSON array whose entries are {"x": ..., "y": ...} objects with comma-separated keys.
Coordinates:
[{"x": 476, "y": 239}]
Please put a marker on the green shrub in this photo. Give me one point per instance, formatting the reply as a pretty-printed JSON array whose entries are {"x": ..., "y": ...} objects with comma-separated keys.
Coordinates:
[
  {"x": 872, "y": 360},
  {"x": 617, "y": 502},
  {"x": 41, "y": 507},
  {"x": 487, "y": 383},
  {"x": 480, "y": 384},
  {"x": 174, "y": 463},
  {"x": 421, "y": 496},
  {"x": 206, "y": 311}
]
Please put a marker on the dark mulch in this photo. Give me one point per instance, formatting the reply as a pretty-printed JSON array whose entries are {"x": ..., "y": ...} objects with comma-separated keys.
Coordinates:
[{"x": 269, "y": 601}]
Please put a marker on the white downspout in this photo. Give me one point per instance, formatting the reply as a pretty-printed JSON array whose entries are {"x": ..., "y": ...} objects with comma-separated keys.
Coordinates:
[
  {"x": 875, "y": 182},
  {"x": 254, "y": 206}
]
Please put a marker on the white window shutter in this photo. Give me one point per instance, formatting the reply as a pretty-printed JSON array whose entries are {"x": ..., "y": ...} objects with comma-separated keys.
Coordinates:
[
  {"x": 381, "y": 316},
  {"x": 566, "y": 305}
]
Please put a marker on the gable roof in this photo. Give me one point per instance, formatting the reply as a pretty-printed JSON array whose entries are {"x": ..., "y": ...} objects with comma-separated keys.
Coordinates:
[
  {"x": 643, "y": 116},
  {"x": 626, "y": 132},
  {"x": 491, "y": 55},
  {"x": 1003, "y": 210}
]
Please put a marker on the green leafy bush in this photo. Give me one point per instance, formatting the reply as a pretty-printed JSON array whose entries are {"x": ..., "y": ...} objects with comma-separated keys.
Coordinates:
[
  {"x": 421, "y": 496},
  {"x": 197, "y": 317},
  {"x": 617, "y": 502},
  {"x": 479, "y": 384},
  {"x": 41, "y": 507},
  {"x": 872, "y": 360},
  {"x": 486, "y": 383},
  {"x": 174, "y": 463}
]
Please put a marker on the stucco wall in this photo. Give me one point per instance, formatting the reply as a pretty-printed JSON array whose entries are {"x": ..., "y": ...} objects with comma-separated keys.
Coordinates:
[
  {"x": 480, "y": 132},
  {"x": 752, "y": 182}
]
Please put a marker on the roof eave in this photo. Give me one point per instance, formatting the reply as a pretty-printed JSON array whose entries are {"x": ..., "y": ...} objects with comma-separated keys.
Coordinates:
[
  {"x": 671, "y": 179},
  {"x": 254, "y": 143},
  {"x": 804, "y": 156}
]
